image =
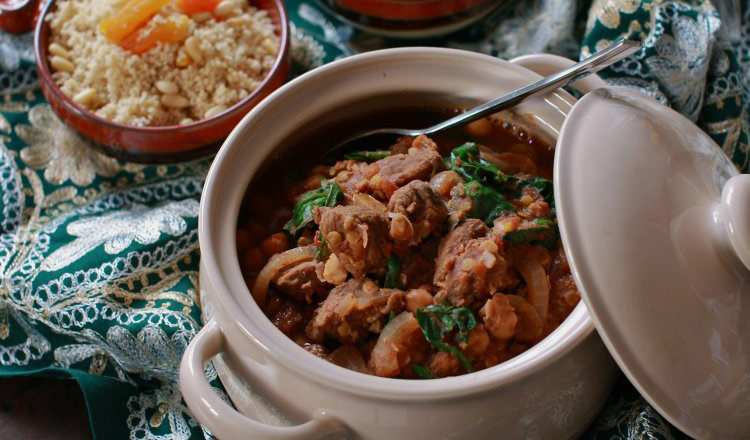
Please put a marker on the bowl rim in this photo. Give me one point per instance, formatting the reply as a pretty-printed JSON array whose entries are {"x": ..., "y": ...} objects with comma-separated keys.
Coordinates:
[
  {"x": 45, "y": 75},
  {"x": 574, "y": 330}
]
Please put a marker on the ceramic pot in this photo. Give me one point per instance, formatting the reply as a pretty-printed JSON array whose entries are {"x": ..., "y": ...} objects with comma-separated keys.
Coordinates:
[{"x": 553, "y": 390}]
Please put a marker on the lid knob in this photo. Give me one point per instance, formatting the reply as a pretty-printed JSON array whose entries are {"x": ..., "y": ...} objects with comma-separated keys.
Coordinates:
[{"x": 734, "y": 213}]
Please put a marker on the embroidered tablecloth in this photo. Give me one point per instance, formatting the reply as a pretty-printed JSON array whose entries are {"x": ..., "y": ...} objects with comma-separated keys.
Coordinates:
[{"x": 99, "y": 257}]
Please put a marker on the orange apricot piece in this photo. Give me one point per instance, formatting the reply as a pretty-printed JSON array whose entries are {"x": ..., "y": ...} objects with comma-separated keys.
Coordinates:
[
  {"x": 171, "y": 31},
  {"x": 130, "y": 17},
  {"x": 191, "y": 7}
]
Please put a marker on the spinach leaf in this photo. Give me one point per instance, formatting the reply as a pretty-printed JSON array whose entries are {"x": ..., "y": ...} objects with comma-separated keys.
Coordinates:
[
  {"x": 367, "y": 156},
  {"x": 487, "y": 203},
  {"x": 438, "y": 321},
  {"x": 393, "y": 273},
  {"x": 422, "y": 371},
  {"x": 328, "y": 194},
  {"x": 321, "y": 253},
  {"x": 466, "y": 161},
  {"x": 543, "y": 232}
]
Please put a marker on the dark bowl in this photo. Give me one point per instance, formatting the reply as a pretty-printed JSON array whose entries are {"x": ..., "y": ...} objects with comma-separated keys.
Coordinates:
[{"x": 162, "y": 143}]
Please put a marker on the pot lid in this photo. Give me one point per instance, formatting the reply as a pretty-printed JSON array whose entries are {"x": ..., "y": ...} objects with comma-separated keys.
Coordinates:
[{"x": 655, "y": 220}]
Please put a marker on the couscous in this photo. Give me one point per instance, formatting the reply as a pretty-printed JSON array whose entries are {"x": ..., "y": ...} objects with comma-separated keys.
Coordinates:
[{"x": 159, "y": 62}]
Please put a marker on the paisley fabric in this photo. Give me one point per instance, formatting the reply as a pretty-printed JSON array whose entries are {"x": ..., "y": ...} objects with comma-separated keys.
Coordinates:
[{"x": 99, "y": 257}]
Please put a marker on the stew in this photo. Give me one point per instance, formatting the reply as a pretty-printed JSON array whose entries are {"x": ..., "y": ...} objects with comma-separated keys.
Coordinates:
[{"x": 427, "y": 258}]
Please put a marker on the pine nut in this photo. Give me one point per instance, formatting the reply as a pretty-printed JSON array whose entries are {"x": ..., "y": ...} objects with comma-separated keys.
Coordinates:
[
  {"x": 56, "y": 49},
  {"x": 64, "y": 14},
  {"x": 84, "y": 96},
  {"x": 62, "y": 64},
  {"x": 174, "y": 101},
  {"x": 200, "y": 17},
  {"x": 167, "y": 87},
  {"x": 215, "y": 110},
  {"x": 186, "y": 121},
  {"x": 193, "y": 48},
  {"x": 225, "y": 7}
]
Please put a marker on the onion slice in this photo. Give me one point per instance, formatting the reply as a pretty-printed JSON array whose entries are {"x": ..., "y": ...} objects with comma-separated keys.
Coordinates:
[
  {"x": 275, "y": 265},
  {"x": 538, "y": 285},
  {"x": 367, "y": 201},
  {"x": 530, "y": 325},
  {"x": 510, "y": 163},
  {"x": 393, "y": 340}
]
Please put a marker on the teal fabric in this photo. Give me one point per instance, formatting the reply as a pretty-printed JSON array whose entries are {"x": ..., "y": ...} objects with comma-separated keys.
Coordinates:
[{"x": 99, "y": 257}]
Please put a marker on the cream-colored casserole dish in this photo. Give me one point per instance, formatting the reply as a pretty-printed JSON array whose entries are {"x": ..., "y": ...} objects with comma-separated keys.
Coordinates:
[{"x": 553, "y": 390}]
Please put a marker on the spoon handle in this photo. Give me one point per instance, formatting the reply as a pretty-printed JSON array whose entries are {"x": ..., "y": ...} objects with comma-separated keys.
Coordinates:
[{"x": 592, "y": 64}]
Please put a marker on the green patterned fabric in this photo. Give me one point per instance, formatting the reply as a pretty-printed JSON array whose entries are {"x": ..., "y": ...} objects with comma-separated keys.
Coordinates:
[{"x": 99, "y": 257}]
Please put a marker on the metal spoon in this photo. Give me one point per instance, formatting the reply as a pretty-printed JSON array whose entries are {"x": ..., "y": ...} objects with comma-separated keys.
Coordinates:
[{"x": 592, "y": 64}]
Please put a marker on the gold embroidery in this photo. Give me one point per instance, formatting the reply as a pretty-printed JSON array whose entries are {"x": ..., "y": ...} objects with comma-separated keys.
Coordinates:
[
  {"x": 4, "y": 326},
  {"x": 607, "y": 12},
  {"x": 60, "y": 151}
]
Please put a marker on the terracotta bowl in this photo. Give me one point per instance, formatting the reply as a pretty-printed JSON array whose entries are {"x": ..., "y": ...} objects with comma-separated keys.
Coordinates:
[
  {"x": 18, "y": 16},
  {"x": 163, "y": 143}
]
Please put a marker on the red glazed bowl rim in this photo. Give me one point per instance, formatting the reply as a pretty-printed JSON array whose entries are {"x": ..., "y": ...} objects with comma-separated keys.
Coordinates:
[{"x": 45, "y": 75}]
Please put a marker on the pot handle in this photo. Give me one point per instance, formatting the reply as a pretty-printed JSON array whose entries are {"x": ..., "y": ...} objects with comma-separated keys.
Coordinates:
[
  {"x": 219, "y": 417},
  {"x": 547, "y": 64}
]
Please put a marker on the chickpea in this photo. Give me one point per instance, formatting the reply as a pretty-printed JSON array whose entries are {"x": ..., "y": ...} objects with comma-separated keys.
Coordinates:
[
  {"x": 274, "y": 244},
  {"x": 243, "y": 240},
  {"x": 417, "y": 299},
  {"x": 253, "y": 260},
  {"x": 479, "y": 128},
  {"x": 334, "y": 271},
  {"x": 256, "y": 232},
  {"x": 443, "y": 182},
  {"x": 478, "y": 342}
]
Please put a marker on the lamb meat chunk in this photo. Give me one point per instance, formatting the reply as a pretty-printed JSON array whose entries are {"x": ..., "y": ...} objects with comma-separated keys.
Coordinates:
[
  {"x": 417, "y": 160},
  {"x": 417, "y": 270},
  {"x": 402, "y": 145},
  {"x": 357, "y": 235},
  {"x": 460, "y": 204},
  {"x": 424, "y": 209},
  {"x": 478, "y": 270},
  {"x": 301, "y": 281},
  {"x": 419, "y": 163},
  {"x": 423, "y": 144},
  {"x": 450, "y": 244},
  {"x": 348, "y": 175},
  {"x": 354, "y": 310}
]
